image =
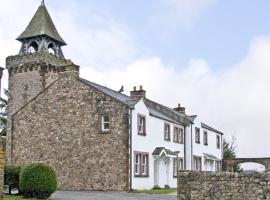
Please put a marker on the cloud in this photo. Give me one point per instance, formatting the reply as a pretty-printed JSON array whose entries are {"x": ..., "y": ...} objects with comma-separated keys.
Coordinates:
[
  {"x": 173, "y": 14},
  {"x": 235, "y": 100}
]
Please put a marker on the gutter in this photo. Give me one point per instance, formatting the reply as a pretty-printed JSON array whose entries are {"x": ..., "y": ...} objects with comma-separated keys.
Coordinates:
[{"x": 130, "y": 149}]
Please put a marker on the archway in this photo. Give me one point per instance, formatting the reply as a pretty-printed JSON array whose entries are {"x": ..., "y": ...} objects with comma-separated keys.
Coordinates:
[
  {"x": 52, "y": 48},
  {"x": 33, "y": 47},
  {"x": 252, "y": 166}
]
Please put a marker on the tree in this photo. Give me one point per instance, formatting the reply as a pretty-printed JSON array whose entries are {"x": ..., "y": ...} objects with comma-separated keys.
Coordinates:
[
  {"x": 3, "y": 114},
  {"x": 229, "y": 152},
  {"x": 229, "y": 149}
]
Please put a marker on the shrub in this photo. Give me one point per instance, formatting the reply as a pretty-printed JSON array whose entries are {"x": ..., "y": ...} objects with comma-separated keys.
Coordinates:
[
  {"x": 11, "y": 177},
  {"x": 37, "y": 180}
]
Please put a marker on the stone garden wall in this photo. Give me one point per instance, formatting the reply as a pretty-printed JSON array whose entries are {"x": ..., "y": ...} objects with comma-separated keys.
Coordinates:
[{"x": 223, "y": 186}]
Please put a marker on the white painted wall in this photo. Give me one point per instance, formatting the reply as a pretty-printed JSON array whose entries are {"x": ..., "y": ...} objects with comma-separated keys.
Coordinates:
[
  {"x": 154, "y": 138},
  {"x": 211, "y": 148}
]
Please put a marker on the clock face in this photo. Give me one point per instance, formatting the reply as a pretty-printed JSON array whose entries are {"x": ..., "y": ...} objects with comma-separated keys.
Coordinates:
[{"x": 25, "y": 86}]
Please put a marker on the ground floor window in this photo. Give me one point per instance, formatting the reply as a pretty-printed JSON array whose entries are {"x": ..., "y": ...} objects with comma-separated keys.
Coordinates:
[
  {"x": 218, "y": 166},
  {"x": 197, "y": 163},
  {"x": 141, "y": 164},
  {"x": 180, "y": 165}
]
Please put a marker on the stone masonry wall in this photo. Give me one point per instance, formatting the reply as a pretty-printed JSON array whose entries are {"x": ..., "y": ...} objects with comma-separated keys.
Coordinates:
[
  {"x": 28, "y": 76},
  {"x": 2, "y": 163},
  {"x": 223, "y": 186},
  {"x": 60, "y": 127}
]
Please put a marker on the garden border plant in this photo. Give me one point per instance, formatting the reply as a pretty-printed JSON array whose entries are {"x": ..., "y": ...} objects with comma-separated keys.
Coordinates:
[{"x": 37, "y": 180}]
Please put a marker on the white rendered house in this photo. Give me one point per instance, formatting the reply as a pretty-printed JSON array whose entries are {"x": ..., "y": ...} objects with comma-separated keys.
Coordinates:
[{"x": 157, "y": 133}]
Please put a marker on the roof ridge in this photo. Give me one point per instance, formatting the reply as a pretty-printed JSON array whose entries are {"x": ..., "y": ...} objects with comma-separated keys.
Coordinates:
[
  {"x": 114, "y": 94},
  {"x": 106, "y": 88}
]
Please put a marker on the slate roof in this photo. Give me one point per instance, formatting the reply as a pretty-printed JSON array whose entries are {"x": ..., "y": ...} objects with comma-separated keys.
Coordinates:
[
  {"x": 158, "y": 150},
  {"x": 155, "y": 109},
  {"x": 211, "y": 129},
  {"x": 116, "y": 95},
  {"x": 166, "y": 113},
  {"x": 41, "y": 24},
  {"x": 209, "y": 156}
]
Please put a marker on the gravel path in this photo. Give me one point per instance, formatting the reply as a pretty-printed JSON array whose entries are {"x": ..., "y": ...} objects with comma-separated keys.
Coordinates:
[{"x": 62, "y": 195}]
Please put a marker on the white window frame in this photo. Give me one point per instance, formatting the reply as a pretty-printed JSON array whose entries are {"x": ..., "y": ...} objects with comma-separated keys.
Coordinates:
[
  {"x": 103, "y": 123},
  {"x": 141, "y": 124},
  {"x": 167, "y": 131}
]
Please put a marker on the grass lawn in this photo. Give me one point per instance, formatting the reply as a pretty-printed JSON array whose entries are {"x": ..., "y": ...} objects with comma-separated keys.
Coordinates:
[
  {"x": 157, "y": 191},
  {"x": 15, "y": 197}
]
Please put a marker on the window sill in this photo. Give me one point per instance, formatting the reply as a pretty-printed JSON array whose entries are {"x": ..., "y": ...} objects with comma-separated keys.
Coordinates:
[
  {"x": 104, "y": 132},
  {"x": 167, "y": 140},
  {"x": 142, "y": 134},
  {"x": 178, "y": 142},
  {"x": 141, "y": 176}
]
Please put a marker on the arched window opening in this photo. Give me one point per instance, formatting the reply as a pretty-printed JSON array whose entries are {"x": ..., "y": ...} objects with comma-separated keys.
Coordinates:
[
  {"x": 33, "y": 47},
  {"x": 252, "y": 166},
  {"x": 51, "y": 48}
]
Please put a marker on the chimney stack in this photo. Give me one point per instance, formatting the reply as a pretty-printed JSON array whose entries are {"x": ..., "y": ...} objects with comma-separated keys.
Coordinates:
[
  {"x": 138, "y": 94},
  {"x": 180, "y": 109}
]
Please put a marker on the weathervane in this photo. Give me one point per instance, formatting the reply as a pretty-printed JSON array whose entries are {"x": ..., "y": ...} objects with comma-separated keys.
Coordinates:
[{"x": 42, "y": 2}]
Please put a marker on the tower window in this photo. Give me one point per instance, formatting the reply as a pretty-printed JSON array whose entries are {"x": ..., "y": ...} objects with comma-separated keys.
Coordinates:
[
  {"x": 33, "y": 47},
  {"x": 51, "y": 48}
]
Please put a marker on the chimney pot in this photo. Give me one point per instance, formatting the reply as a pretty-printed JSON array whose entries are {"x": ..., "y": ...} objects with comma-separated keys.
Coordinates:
[{"x": 137, "y": 94}]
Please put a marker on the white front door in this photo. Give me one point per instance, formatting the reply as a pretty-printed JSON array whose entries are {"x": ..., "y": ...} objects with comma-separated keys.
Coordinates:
[{"x": 164, "y": 172}]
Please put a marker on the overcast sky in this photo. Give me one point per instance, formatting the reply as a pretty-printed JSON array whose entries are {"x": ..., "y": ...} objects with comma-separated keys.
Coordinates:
[{"x": 211, "y": 56}]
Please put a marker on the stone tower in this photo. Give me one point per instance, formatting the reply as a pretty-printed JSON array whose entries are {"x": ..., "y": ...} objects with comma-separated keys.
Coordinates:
[{"x": 37, "y": 65}]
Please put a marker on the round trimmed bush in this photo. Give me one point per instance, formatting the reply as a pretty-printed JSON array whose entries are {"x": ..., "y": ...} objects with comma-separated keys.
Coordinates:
[{"x": 37, "y": 180}]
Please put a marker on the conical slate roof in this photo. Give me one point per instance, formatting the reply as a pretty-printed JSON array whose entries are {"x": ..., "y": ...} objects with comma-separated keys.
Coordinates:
[{"x": 41, "y": 24}]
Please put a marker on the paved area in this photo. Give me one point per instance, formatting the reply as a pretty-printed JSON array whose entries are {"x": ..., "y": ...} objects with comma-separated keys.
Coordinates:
[{"x": 61, "y": 195}]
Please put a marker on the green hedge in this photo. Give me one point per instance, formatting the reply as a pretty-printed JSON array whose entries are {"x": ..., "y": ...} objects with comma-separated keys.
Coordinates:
[
  {"x": 11, "y": 177},
  {"x": 37, "y": 180}
]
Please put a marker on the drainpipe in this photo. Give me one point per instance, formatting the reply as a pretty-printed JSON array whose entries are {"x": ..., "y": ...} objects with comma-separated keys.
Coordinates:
[
  {"x": 191, "y": 151},
  {"x": 185, "y": 156},
  {"x": 221, "y": 145},
  {"x": 130, "y": 149}
]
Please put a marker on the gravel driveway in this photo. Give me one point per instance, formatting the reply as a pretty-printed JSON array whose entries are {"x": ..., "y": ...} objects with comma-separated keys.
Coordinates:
[{"x": 61, "y": 195}]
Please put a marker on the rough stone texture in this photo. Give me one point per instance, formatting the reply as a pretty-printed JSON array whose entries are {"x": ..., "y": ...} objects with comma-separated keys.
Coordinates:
[
  {"x": 28, "y": 76},
  {"x": 223, "y": 186},
  {"x": 2, "y": 163},
  {"x": 60, "y": 127},
  {"x": 228, "y": 164}
]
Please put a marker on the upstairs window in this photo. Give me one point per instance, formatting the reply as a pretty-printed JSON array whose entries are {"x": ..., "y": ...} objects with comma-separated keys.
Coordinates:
[
  {"x": 167, "y": 131},
  {"x": 141, "y": 125},
  {"x": 141, "y": 167},
  {"x": 205, "y": 138},
  {"x": 197, "y": 135},
  {"x": 218, "y": 141},
  {"x": 178, "y": 135},
  {"x": 105, "y": 123}
]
